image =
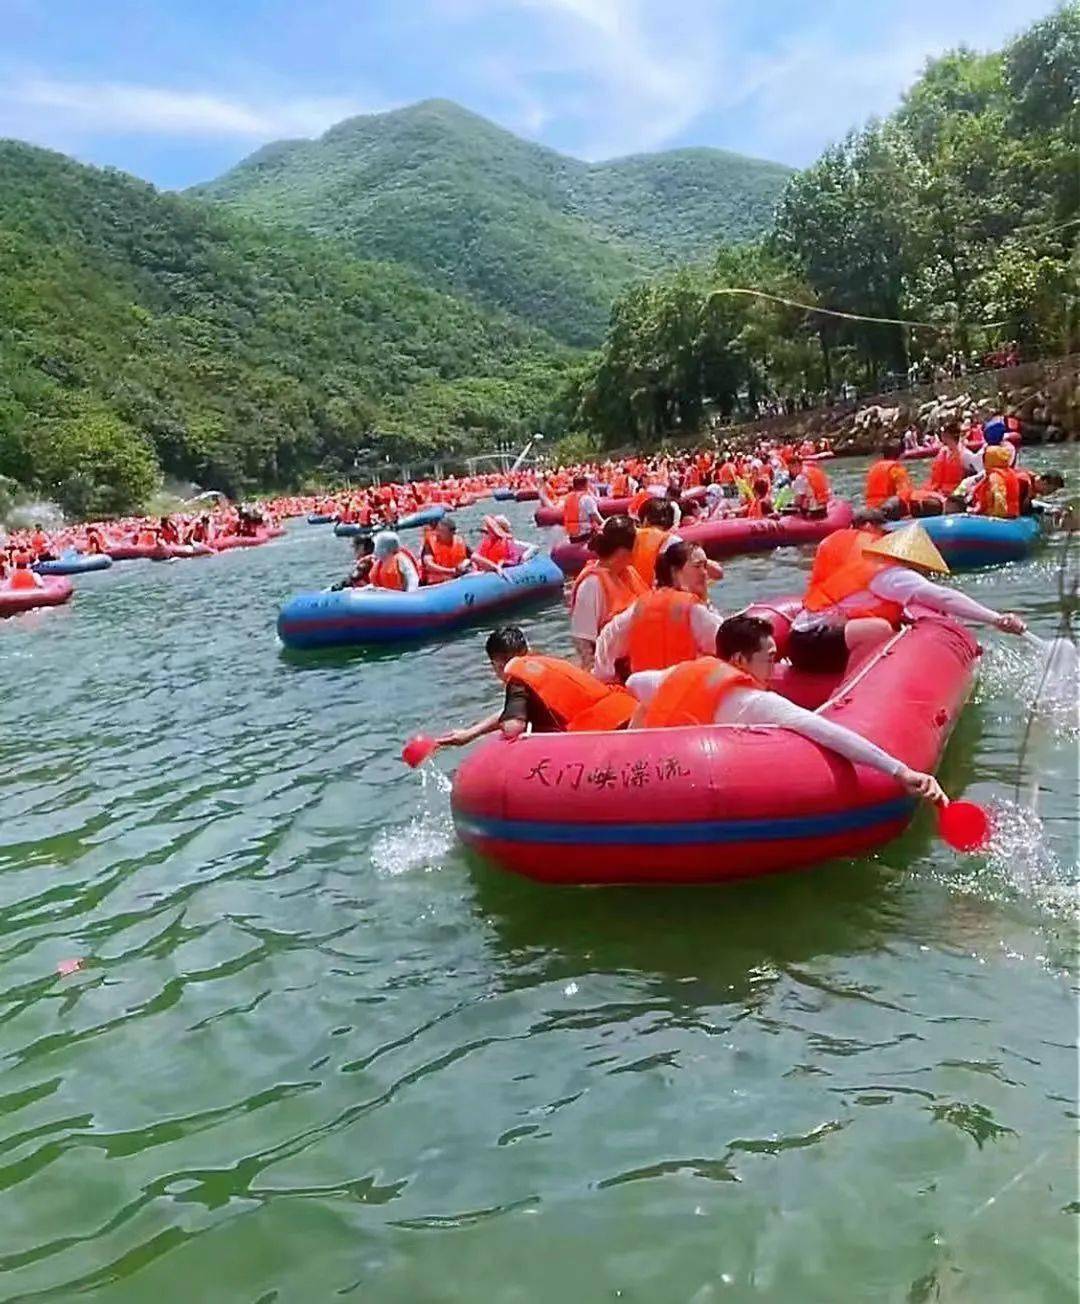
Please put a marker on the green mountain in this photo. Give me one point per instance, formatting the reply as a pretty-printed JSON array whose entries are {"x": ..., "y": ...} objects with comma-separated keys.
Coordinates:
[
  {"x": 548, "y": 238},
  {"x": 142, "y": 331}
]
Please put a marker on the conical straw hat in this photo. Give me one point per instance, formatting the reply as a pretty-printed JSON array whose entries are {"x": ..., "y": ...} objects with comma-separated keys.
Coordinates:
[{"x": 912, "y": 546}]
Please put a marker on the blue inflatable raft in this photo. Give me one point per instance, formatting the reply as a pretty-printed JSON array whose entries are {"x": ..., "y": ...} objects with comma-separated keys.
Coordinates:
[
  {"x": 72, "y": 562},
  {"x": 970, "y": 542},
  {"x": 320, "y": 518},
  {"x": 426, "y": 516},
  {"x": 503, "y": 494},
  {"x": 361, "y": 617}
]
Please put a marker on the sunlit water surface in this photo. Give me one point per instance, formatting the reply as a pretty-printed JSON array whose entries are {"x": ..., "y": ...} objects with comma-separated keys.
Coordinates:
[{"x": 314, "y": 1050}]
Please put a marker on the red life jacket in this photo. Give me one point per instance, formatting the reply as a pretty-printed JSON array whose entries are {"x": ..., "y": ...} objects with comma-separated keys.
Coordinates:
[{"x": 661, "y": 634}]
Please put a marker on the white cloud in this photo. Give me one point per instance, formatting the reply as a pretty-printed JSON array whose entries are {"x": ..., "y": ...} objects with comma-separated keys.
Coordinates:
[
  {"x": 154, "y": 110},
  {"x": 619, "y": 75}
]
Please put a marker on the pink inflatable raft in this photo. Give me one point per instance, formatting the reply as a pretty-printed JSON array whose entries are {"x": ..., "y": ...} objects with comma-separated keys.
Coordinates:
[
  {"x": 54, "y": 590},
  {"x": 703, "y": 805},
  {"x": 733, "y": 536}
]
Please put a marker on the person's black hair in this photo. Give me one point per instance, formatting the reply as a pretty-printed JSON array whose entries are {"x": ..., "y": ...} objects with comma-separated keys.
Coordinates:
[
  {"x": 671, "y": 559},
  {"x": 890, "y": 449},
  {"x": 952, "y": 428},
  {"x": 1052, "y": 479},
  {"x": 505, "y": 642},
  {"x": 741, "y": 635},
  {"x": 448, "y": 521},
  {"x": 580, "y": 482},
  {"x": 363, "y": 545},
  {"x": 659, "y": 512},
  {"x": 927, "y": 507},
  {"x": 893, "y": 509},
  {"x": 618, "y": 532}
]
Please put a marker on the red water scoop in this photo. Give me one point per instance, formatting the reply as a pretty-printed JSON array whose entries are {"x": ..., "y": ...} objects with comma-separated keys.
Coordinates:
[
  {"x": 965, "y": 826},
  {"x": 417, "y": 750}
]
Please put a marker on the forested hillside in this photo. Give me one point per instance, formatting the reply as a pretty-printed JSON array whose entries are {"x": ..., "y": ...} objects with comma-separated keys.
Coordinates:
[
  {"x": 961, "y": 210},
  {"x": 142, "y": 331},
  {"x": 548, "y": 238}
]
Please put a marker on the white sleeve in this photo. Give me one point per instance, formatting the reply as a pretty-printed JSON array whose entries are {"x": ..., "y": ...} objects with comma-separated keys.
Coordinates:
[
  {"x": 704, "y": 622},
  {"x": 585, "y": 613},
  {"x": 759, "y": 706},
  {"x": 588, "y": 508},
  {"x": 613, "y": 643},
  {"x": 408, "y": 574},
  {"x": 645, "y": 683},
  {"x": 912, "y": 591}
]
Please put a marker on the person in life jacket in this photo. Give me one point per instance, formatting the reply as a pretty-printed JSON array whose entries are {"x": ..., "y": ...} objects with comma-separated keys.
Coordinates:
[
  {"x": 997, "y": 494},
  {"x": 669, "y": 624},
  {"x": 445, "y": 554},
  {"x": 544, "y": 694},
  {"x": 498, "y": 547},
  {"x": 869, "y": 585},
  {"x": 581, "y": 514},
  {"x": 732, "y": 687},
  {"x": 363, "y": 564},
  {"x": 1035, "y": 488},
  {"x": 20, "y": 575},
  {"x": 39, "y": 543},
  {"x": 394, "y": 566},
  {"x": 759, "y": 502},
  {"x": 888, "y": 479},
  {"x": 810, "y": 489},
  {"x": 657, "y": 522},
  {"x": 605, "y": 587}
]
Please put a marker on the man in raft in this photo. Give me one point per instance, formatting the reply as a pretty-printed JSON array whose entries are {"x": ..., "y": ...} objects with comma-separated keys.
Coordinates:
[
  {"x": 546, "y": 694},
  {"x": 864, "y": 584},
  {"x": 888, "y": 479},
  {"x": 733, "y": 688},
  {"x": 581, "y": 514},
  {"x": 445, "y": 555}
]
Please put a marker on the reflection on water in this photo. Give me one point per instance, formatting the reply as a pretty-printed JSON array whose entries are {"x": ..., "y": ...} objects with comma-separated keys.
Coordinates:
[{"x": 298, "y": 1062}]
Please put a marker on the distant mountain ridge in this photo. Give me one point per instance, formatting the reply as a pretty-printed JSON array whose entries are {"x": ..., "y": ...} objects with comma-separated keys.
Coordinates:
[{"x": 513, "y": 224}]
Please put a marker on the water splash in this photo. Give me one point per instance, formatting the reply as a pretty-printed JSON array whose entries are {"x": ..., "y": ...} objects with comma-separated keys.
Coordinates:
[
  {"x": 1044, "y": 682},
  {"x": 424, "y": 841},
  {"x": 1019, "y": 864}
]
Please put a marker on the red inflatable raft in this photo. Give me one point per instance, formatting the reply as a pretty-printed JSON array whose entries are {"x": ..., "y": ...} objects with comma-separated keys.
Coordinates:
[
  {"x": 703, "y": 805},
  {"x": 733, "y": 536},
  {"x": 608, "y": 507},
  {"x": 54, "y": 590},
  {"x": 915, "y": 454}
]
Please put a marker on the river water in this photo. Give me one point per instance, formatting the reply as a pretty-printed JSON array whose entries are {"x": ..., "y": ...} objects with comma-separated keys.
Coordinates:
[{"x": 313, "y": 1050}]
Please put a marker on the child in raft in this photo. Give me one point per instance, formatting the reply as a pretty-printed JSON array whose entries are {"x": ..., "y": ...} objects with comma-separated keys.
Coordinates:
[
  {"x": 498, "y": 547},
  {"x": 732, "y": 688}
]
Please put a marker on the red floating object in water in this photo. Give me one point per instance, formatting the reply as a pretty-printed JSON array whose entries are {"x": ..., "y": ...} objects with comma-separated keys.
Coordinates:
[
  {"x": 417, "y": 750},
  {"x": 964, "y": 826}
]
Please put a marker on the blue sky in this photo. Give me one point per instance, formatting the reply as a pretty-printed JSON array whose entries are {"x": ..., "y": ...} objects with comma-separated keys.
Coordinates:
[{"x": 177, "y": 92}]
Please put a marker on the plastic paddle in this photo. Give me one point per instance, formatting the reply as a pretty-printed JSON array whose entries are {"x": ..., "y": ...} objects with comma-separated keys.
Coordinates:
[
  {"x": 964, "y": 825},
  {"x": 417, "y": 750}
]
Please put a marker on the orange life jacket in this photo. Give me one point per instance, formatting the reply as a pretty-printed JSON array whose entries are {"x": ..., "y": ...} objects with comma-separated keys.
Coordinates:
[
  {"x": 620, "y": 486},
  {"x": 818, "y": 482},
  {"x": 572, "y": 514},
  {"x": 24, "y": 579},
  {"x": 660, "y": 631},
  {"x": 38, "y": 542},
  {"x": 986, "y": 491},
  {"x": 946, "y": 471},
  {"x": 146, "y": 539},
  {"x": 618, "y": 591},
  {"x": 648, "y": 541},
  {"x": 887, "y": 479},
  {"x": 450, "y": 555},
  {"x": 576, "y": 699},
  {"x": 844, "y": 570},
  {"x": 755, "y": 511},
  {"x": 494, "y": 548},
  {"x": 386, "y": 573},
  {"x": 638, "y": 502},
  {"x": 691, "y": 692}
]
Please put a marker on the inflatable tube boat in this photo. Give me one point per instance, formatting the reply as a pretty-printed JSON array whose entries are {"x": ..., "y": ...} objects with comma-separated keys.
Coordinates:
[
  {"x": 73, "y": 562},
  {"x": 707, "y": 804},
  {"x": 504, "y": 495},
  {"x": 55, "y": 589},
  {"x": 360, "y": 617},
  {"x": 969, "y": 542},
  {"x": 734, "y": 535},
  {"x": 320, "y": 518},
  {"x": 609, "y": 507},
  {"x": 916, "y": 454}
]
